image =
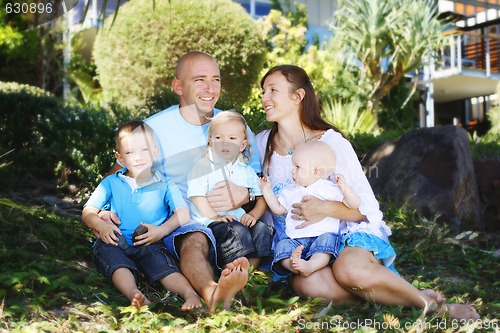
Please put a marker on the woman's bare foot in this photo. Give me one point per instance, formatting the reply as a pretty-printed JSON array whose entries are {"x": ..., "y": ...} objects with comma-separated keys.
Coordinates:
[
  {"x": 139, "y": 300},
  {"x": 455, "y": 311},
  {"x": 191, "y": 302},
  {"x": 459, "y": 311},
  {"x": 232, "y": 279},
  {"x": 432, "y": 296}
]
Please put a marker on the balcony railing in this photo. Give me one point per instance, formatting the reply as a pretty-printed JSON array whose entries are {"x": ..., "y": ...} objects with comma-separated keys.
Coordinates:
[{"x": 471, "y": 51}]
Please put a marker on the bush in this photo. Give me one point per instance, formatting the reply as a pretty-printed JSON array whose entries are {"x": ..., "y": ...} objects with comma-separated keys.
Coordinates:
[
  {"x": 50, "y": 138},
  {"x": 137, "y": 55}
]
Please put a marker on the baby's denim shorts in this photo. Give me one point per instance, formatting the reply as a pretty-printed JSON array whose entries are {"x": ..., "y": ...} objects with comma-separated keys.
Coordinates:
[
  {"x": 326, "y": 243},
  {"x": 153, "y": 260},
  {"x": 380, "y": 248}
]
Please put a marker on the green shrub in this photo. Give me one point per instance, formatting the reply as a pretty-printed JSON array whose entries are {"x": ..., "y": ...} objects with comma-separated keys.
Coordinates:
[
  {"x": 350, "y": 118},
  {"x": 49, "y": 138},
  {"x": 137, "y": 55}
]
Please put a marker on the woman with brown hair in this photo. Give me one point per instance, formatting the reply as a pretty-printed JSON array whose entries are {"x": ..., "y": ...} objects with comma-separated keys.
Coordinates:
[{"x": 364, "y": 267}]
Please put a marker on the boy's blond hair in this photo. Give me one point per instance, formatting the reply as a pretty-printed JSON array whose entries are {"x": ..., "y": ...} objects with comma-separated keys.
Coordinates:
[{"x": 134, "y": 126}]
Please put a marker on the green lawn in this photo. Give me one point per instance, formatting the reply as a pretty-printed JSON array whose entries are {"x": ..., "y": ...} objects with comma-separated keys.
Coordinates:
[{"x": 48, "y": 284}]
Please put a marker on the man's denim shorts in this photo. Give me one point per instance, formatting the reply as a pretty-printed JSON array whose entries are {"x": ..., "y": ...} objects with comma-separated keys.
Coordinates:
[
  {"x": 326, "y": 243},
  {"x": 170, "y": 240},
  {"x": 153, "y": 260},
  {"x": 235, "y": 240}
]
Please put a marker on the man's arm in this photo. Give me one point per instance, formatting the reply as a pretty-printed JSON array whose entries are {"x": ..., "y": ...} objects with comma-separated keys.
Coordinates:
[
  {"x": 102, "y": 229},
  {"x": 226, "y": 196}
]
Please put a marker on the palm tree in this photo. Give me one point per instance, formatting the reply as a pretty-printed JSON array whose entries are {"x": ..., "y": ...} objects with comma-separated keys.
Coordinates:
[{"x": 387, "y": 39}]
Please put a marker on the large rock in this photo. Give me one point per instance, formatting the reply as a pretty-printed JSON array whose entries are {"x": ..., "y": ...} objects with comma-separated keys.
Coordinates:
[
  {"x": 488, "y": 180},
  {"x": 430, "y": 170}
]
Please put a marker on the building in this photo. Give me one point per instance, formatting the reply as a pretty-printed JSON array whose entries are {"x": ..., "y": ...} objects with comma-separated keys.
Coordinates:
[
  {"x": 458, "y": 89},
  {"x": 461, "y": 87}
]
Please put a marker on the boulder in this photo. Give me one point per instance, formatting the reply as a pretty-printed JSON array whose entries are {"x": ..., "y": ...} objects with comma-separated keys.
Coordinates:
[
  {"x": 488, "y": 181},
  {"x": 430, "y": 170}
]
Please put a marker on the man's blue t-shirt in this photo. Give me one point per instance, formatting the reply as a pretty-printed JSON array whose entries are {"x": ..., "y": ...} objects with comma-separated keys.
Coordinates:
[{"x": 183, "y": 144}]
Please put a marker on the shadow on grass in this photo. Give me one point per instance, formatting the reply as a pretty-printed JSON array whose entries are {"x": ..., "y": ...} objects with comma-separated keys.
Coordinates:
[{"x": 48, "y": 283}]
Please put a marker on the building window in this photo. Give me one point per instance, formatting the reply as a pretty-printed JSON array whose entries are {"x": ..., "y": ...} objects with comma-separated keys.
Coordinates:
[{"x": 256, "y": 8}]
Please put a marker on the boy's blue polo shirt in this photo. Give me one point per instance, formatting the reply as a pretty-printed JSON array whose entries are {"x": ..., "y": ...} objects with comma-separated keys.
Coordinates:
[{"x": 153, "y": 203}]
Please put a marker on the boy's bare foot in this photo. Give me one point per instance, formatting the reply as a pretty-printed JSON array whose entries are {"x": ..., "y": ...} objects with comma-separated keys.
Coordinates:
[
  {"x": 232, "y": 279},
  {"x": 140, "y": 300},
  {"x": 296, "y": 255},
  {"x": 191, "y": 302}
]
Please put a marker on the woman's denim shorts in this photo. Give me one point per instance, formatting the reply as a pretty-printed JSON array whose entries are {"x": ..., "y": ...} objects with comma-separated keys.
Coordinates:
[
  {"x": 153, "y": 260},
  {"x": 325, "y": 243}
]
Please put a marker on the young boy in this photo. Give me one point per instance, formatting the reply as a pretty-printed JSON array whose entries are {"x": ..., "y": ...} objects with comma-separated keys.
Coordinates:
[
  {"x": 238, "y": 233},
  {"x": 313, "y": 162},
  {"x": 142, "y": 200}
]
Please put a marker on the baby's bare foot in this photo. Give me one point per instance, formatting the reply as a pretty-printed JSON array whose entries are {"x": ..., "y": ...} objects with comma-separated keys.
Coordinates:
[
  {"x": 296, "y": 255},
  {"x": 303, "y": 267}
]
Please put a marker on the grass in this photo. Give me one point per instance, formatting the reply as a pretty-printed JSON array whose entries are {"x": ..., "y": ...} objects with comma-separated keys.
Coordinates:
[{"x": 48, "y": 284}]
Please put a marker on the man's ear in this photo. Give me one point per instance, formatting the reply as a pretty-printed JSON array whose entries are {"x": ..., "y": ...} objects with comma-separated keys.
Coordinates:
[{"x": 177, "y": 86}]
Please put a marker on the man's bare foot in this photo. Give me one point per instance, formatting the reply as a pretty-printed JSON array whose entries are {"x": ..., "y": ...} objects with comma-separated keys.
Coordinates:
[
  {"x": 191, "y": 302},
  {"x": 140, "y": 300},
  {"x": 296, "y": 255},
  {"x": 232, "y": 279}
]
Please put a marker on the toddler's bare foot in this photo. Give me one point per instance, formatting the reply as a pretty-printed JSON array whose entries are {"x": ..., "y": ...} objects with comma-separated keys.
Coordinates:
[
  {"x": 296, "y": 255},
  {"x": 232, "y": 279},
  {"x": 192, "y": 302},
  {"x": 140, "y": 300}
]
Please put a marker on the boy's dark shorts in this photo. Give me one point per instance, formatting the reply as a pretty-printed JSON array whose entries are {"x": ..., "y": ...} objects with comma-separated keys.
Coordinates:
[
  {"x": 153, "y": 260},
  {"x": 234, "y": 240}
]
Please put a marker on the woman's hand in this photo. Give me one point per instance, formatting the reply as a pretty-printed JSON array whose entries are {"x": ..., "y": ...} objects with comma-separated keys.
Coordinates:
[{"x": 311, "y": 210}]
